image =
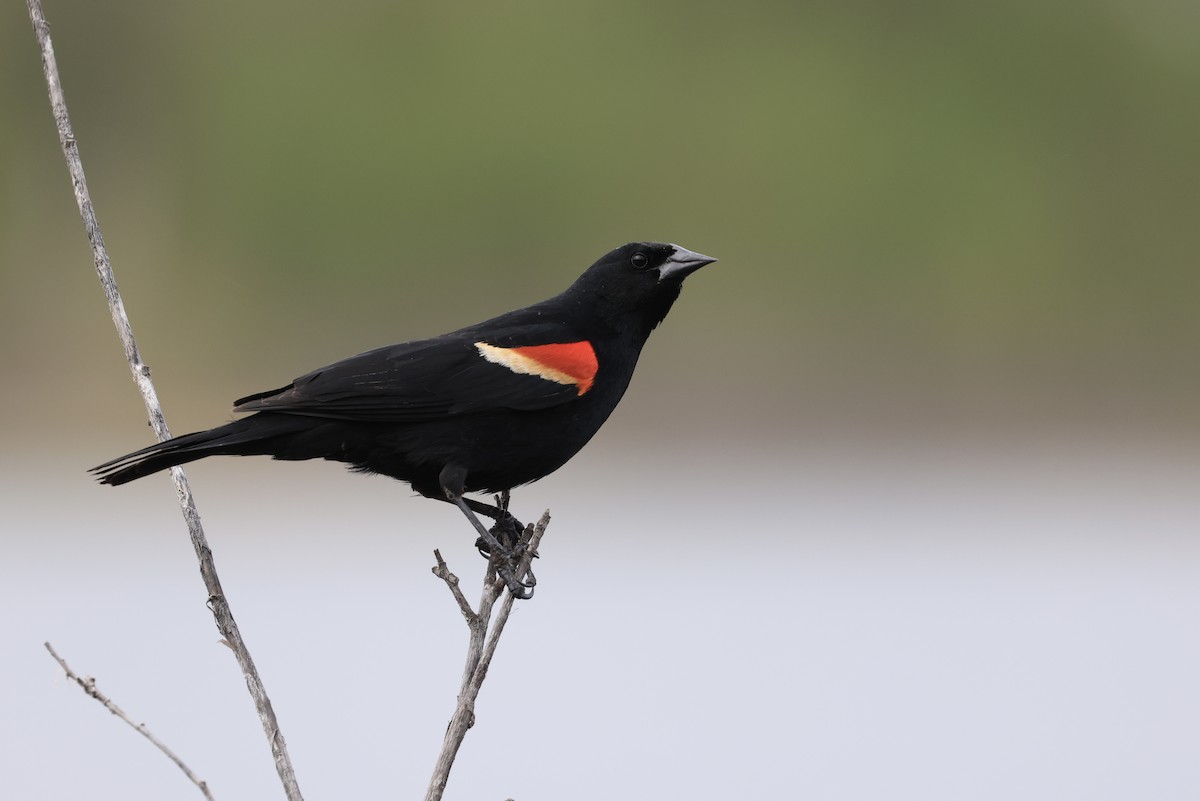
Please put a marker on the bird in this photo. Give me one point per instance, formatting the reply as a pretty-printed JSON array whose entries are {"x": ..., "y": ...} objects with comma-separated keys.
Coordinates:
[{"x": 482, "y": 409}]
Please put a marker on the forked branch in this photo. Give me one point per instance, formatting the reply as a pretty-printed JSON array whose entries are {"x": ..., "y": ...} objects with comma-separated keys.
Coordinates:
[{"x": 480, "y": 648}]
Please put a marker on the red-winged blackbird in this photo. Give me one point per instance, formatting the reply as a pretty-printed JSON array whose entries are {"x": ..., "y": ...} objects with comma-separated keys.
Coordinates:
[{"x": 482, "y": 409}]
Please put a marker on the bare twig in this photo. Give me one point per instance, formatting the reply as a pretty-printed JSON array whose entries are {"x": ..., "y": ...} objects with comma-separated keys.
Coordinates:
[
  {"x": 89, "y": 686},
  {"x": 141, "y": 375},
  {"x": 442, "y": 571},
  {"x": 480, "y": 649}
]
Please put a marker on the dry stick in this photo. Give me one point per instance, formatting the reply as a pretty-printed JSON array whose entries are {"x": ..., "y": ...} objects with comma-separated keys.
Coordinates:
[
  {"x": 89, "y": 686},
  {"x": 480, "y": 651},
  {"x": 141, "y": 375}
]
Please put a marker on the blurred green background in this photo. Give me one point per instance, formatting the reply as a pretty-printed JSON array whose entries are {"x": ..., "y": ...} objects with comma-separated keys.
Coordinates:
[
  {"x": 975, "y": 214},
  {"x": 902, "y": 501}
]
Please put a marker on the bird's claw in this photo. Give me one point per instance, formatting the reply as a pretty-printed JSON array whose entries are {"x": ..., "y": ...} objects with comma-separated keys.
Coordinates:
[
  {"x": 521, "y": 590},
  {"x": 510, "y": 533}
]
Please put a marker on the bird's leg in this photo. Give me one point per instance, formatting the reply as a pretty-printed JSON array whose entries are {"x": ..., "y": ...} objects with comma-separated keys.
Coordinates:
[
  {"x": 504, "y": 558},
  {"x": 509, "y": 531},
  {"x": 520, "y": 536},
  {"x": 507, "y": 526},
  {"x": 514, "y": 529}
]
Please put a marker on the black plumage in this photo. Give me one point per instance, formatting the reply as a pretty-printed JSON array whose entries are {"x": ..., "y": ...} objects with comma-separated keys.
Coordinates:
[{"x": 485, "y": 408}]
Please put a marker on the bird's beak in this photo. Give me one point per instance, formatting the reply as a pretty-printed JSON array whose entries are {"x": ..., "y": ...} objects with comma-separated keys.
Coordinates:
[{"x": 682, "y": 263}]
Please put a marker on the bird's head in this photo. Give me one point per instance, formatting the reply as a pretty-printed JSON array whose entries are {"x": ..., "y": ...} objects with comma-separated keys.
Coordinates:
[{"x": 640, "y": 280}]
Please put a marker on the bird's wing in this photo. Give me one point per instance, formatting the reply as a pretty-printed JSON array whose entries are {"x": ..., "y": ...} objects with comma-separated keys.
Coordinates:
[{"x": 474, "y": 370}]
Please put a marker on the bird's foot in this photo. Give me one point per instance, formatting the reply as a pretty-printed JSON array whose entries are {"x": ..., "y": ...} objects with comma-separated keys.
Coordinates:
[
  {"x": 504, "y": 544},
  {"x": 514, "y": 540},
  {"x": 506, "y": 568},
  {"x": 507, "y": 530}
]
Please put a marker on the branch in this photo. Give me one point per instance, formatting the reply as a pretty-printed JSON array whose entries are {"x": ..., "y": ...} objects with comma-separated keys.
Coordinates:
[
  {"x": 442, "y": 571},
  {"x": 141, "y": 376},
  {"x": 89, "y": 687},
  {"x": 480, "y": 649}
]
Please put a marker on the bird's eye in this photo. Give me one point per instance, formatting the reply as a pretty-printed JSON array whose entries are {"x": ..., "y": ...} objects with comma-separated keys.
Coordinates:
[{"x": 639, "y": 260}]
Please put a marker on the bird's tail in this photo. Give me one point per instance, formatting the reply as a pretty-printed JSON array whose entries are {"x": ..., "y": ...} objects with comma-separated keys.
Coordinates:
[{"x": 254, "y": 435}]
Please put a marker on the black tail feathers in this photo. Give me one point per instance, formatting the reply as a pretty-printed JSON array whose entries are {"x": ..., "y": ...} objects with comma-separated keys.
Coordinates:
[{"x": 246, "y": 437}]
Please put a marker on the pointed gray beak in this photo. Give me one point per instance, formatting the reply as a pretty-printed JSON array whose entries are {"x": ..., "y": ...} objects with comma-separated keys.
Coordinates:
[{"x": 682, "y": 263}]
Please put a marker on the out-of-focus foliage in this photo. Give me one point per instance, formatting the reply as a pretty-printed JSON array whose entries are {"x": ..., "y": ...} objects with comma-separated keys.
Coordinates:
[{"x": 936, "y": 205}]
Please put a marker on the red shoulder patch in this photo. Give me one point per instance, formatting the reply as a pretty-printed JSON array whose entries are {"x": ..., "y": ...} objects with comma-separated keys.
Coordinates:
[
  {"x": 575, "y": 359},
  {"x": 562, "y": 362}
]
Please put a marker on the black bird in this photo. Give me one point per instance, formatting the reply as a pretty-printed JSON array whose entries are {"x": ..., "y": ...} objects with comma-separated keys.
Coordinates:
[{"x": 482, "y": 409}]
